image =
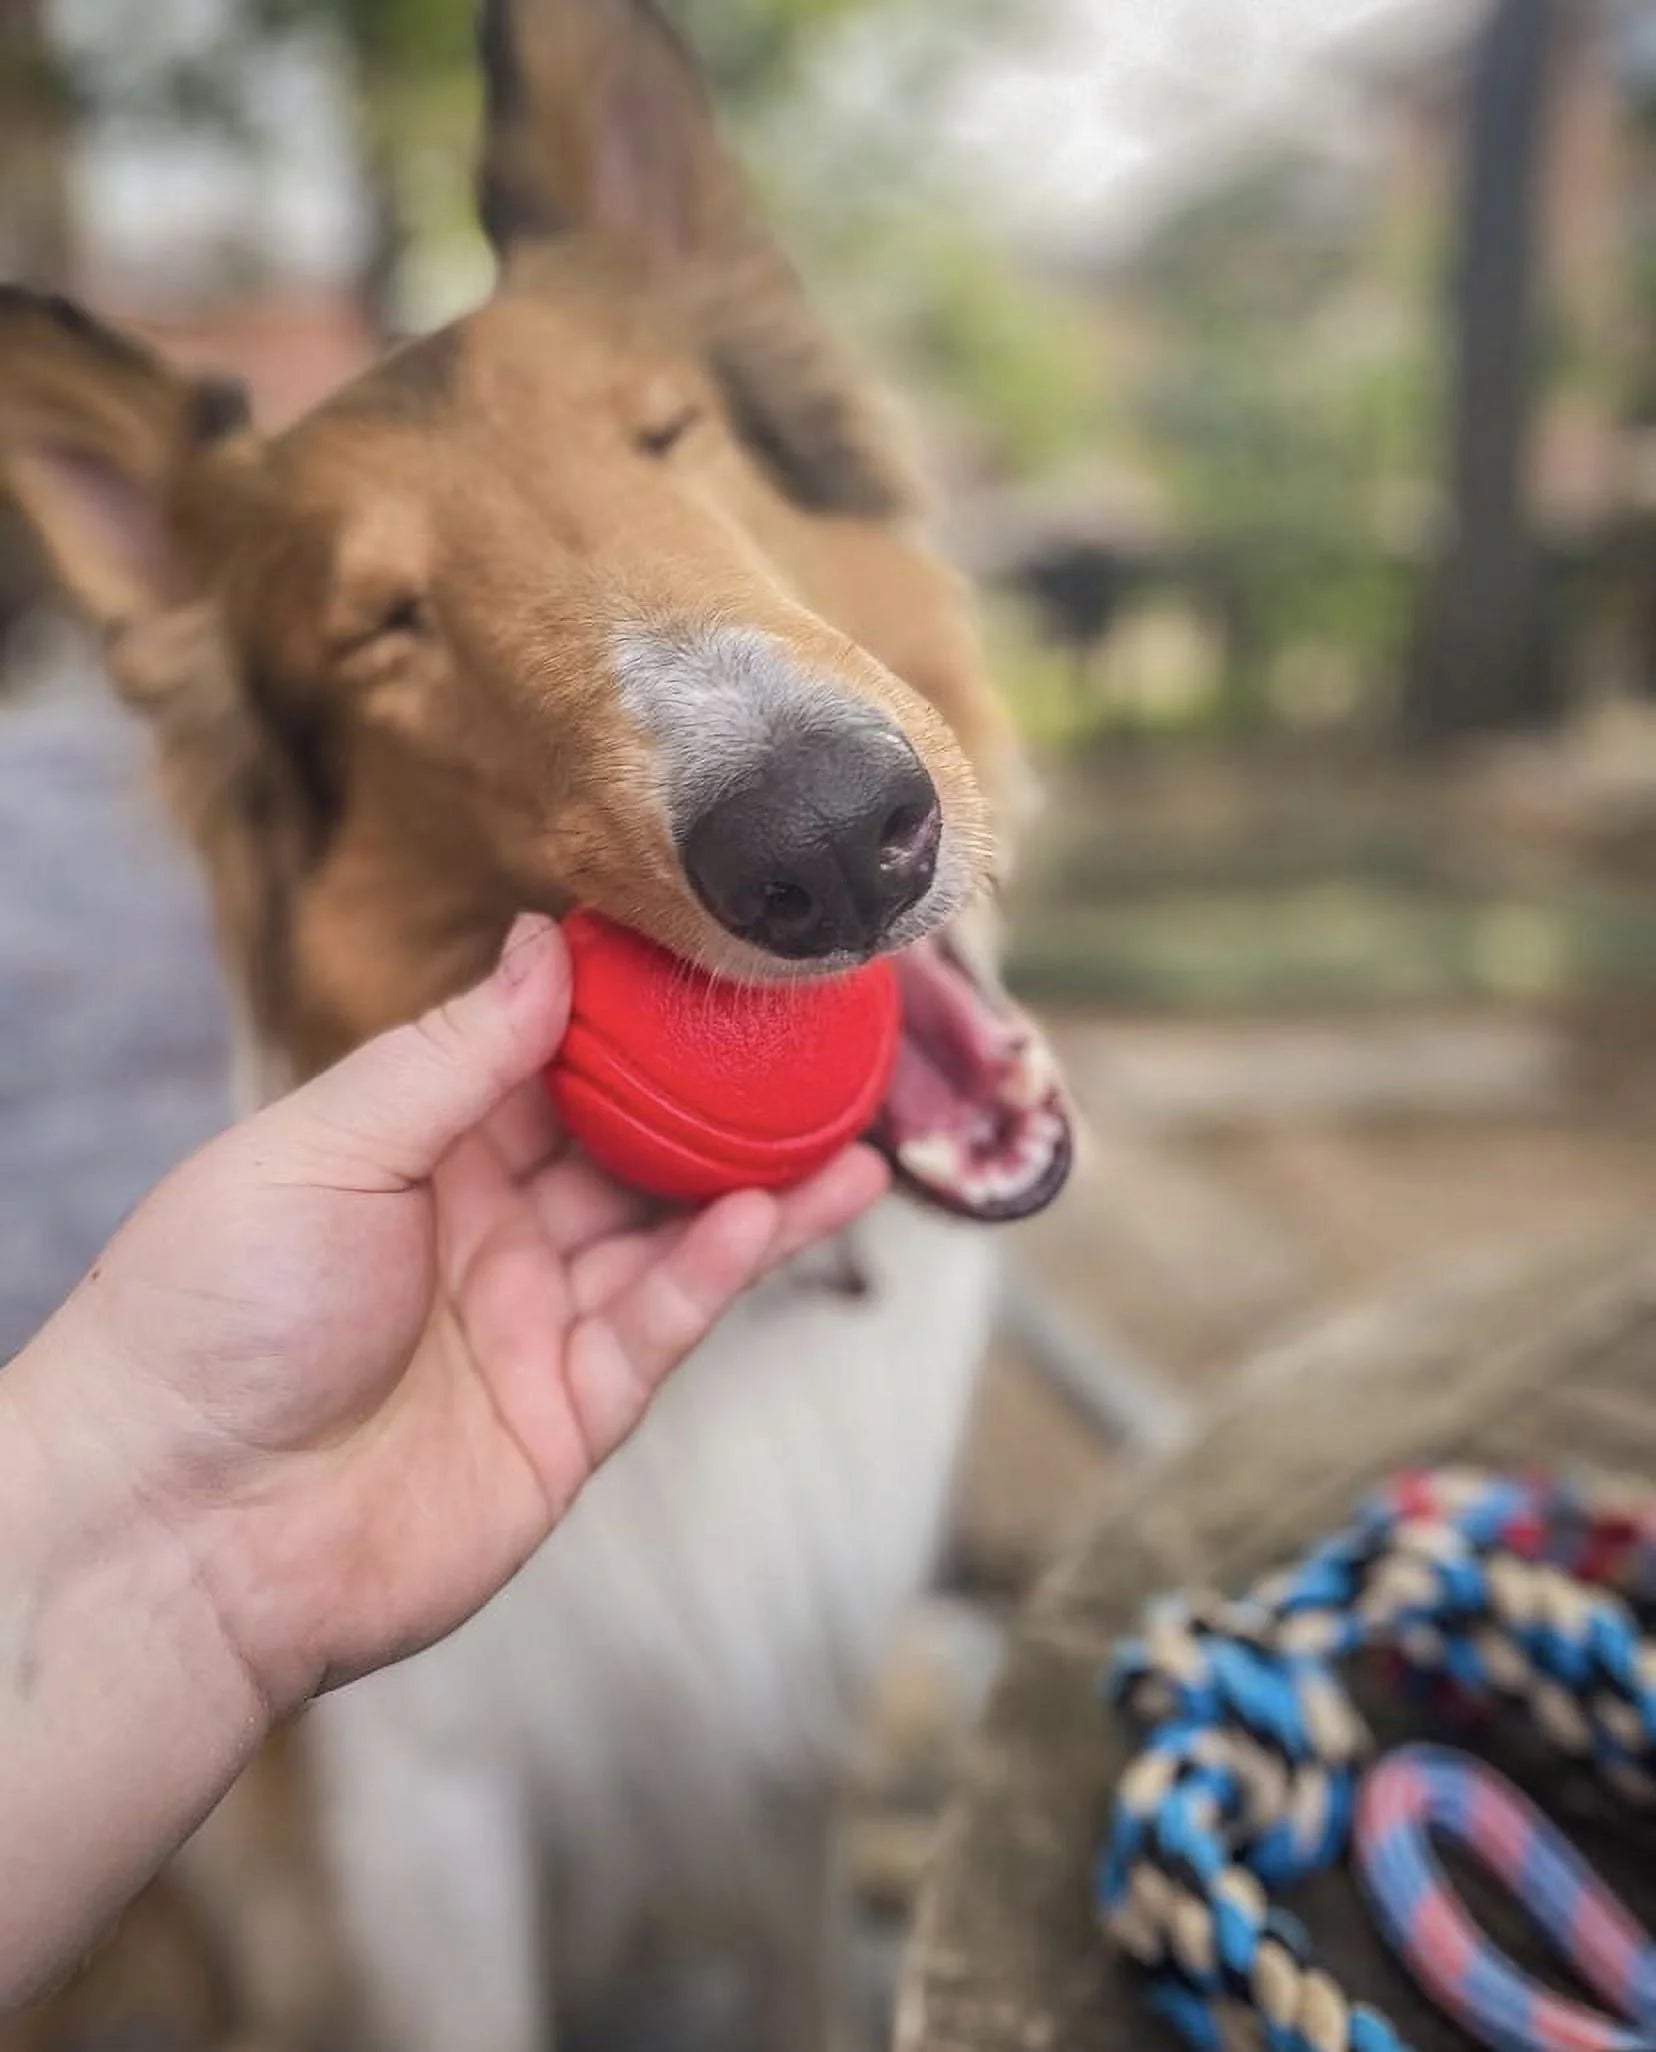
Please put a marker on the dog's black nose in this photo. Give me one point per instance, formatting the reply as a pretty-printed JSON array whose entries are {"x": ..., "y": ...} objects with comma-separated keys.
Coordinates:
[{"x": 822, "y": 849}]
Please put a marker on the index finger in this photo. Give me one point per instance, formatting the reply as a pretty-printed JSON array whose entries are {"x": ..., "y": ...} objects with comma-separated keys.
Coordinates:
[{"x": 618, "y": 1357}]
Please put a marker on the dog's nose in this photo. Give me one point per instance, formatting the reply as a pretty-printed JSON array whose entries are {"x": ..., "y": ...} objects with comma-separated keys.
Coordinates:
[{"x": 822, "y": 849}]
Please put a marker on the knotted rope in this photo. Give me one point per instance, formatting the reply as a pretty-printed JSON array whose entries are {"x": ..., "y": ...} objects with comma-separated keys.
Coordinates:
[{"x": 1515, "y": 1594}]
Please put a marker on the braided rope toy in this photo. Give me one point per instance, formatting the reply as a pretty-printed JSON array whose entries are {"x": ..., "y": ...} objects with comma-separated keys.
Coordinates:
[{"x": 1517, "y": 1595}]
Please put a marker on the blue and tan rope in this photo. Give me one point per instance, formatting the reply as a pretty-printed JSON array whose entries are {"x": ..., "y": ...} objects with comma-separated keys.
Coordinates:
[{"x": 1516, "y": 1595}]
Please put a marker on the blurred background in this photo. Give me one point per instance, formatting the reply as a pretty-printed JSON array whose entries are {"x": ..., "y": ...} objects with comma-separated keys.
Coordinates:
[{"x": 1288, "y": 372}]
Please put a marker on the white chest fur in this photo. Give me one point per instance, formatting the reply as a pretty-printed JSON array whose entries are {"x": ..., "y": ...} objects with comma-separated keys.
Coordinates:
[{"x": 696, "y": 1636}]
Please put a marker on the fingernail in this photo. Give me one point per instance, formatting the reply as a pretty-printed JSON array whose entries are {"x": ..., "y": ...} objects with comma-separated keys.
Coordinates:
[{"x": 528, "y": 935}]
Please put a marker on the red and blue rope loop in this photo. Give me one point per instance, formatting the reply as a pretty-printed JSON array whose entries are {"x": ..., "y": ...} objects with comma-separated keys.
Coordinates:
[
  {"x": 1426, "y": 1789},
  {"x": 1520, "y": 1596}
]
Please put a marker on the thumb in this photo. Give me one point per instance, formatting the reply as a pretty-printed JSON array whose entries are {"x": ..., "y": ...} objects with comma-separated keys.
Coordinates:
[{"x": 399, "y": 1103}]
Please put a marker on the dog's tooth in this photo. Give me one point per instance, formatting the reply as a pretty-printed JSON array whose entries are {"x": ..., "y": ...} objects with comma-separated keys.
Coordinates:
[
  {"x": 1045, "y": 1133},
  {"x": 1033, "y": 1158},
  {"x": 934, "y": 1158},
  {"x": 1028, "y": 1147},
  {"x": 1025, "y": 1089},
  {"x": 1033, "y": 1076}
]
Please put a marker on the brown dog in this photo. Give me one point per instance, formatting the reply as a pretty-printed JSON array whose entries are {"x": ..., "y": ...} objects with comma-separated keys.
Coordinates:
[{"x": 612, "y": 592}]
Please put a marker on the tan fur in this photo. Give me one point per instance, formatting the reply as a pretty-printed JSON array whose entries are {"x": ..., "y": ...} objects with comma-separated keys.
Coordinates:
[
  {"x": 510, "y": 499},
  {"x": 372, "y": 806}
]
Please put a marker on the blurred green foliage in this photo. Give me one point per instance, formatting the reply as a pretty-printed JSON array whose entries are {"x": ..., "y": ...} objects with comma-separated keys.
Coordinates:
[
  {"x": 1333, "y": 945},
  {"x": 754, "y": 49},
  {"x": 391, "y": 38},
  {"x": 1287, "y": 401},
  {"x": 890, "y": 222},
  {"x": 1025, "y": 365},
  {"x": 1210, "y": 881}
]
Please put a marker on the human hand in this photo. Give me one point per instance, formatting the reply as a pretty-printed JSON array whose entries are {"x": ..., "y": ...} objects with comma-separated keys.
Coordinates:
[{"x": 357, "y": 1357}]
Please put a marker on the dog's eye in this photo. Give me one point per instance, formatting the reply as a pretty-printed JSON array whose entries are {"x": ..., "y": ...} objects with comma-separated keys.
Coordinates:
[
  {"x": 665, "y": 436},
  {"x": 406, "y": 616},
  {"x": 398, "y": 620}
]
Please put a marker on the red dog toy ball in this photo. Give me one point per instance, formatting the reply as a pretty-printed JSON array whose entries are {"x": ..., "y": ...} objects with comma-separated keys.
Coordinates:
[{"x": 690, "y": 1086}]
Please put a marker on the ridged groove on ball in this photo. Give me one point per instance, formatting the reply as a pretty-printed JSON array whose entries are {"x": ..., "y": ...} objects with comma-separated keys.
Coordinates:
[{"x": 660, "y": 1032}]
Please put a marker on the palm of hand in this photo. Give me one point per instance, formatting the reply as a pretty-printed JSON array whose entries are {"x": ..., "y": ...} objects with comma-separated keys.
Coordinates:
[{"x": 399, "y": 1387}]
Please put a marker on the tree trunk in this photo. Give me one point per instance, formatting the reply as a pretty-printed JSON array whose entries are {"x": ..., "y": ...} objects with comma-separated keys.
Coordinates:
[
  {"x": 1483, "y": 656},
  {"x": 35, "y": 240}
]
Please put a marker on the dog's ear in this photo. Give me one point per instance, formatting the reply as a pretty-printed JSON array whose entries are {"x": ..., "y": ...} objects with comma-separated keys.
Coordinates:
[
  {"x": 599, "y": 124},
  {"x": 101, "y": 445},
  {"x": 597, "y": 120},
  {"x": 95, "y": 435}
]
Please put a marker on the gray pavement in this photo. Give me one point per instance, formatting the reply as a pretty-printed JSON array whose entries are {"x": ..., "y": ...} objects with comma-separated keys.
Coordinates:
[{"x": 112, "y": 1030}]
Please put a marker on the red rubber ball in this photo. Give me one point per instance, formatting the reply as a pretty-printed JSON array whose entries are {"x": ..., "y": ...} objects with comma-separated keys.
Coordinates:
[{"x": 689, "y": 1086}]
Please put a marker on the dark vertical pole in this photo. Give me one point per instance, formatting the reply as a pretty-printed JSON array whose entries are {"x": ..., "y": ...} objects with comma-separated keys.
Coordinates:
[
  {"x": 34, "y": 142},
  {"x": 35, "y": 241},
  {"x": 1483, "y": 657}
]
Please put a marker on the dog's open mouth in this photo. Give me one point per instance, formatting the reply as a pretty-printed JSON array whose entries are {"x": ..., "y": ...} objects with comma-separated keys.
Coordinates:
[{"x": 975, "y": 1119}]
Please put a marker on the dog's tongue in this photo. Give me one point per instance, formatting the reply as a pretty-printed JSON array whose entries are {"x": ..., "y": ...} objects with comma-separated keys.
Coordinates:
[{"x": 975, "y": 1118}]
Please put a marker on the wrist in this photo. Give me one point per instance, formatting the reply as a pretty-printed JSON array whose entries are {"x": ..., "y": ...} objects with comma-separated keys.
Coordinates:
[{"x": 125, "y": 1709}]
